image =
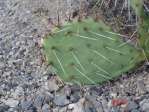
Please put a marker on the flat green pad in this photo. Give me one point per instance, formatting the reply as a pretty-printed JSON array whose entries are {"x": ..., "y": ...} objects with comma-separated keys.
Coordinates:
[
  {"x": 88, "y": 52},
  {"x": 143, "y": 41}
]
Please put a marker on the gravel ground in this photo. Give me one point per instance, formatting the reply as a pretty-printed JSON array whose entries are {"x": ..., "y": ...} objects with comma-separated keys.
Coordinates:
[{"x": 25, "y": 85}]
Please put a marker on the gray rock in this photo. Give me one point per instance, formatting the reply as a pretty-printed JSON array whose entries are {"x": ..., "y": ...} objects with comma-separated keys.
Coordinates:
[
  {"x": 64, "y": 109},
  {"x": 87, "y": 109},
  {"x": 122, "y": 92},
  {"x": 26, "y": 104},
  {"x": 77, "y": 107},
  {"x": 46, "y": 111},
  {"x": 141, "y": 87},
  {"x": 139, "y": 99},
  {"x": 27, "y": 77},
  {"x": 10, "y": 110},
  {"x": 67, "y": 91},
  {"x": 45, "y": 107},
  {"x": 75, "y": 88},
  {"x": 10, "y": 102},
  {"x": 129, "y": 90},
  {"x": 91, "y": 98},
  {"x": 95, "y": 90},
  {"x": 98, "y": 106},
  {"x": 103, "y": 99},
  {"x": 8, "y": 73},
  {"x": 61, "y": 100},
  {"x": 1, "y": 72},
  {"x": 74, "y": 97},
  {"x": 2, "y": 93},
  {"x": 11, "y": 85},
  {"x": 41, "y": 96},
  {"x": 89, "y": 105},
  {"x": 51, "y": 86},
  {"x": 109, "y": 104},
  {"x": 56, "y": 109},
  {"x": 2, "y": 5},
  {"x": 4, "y": 108},
  {"x": 116, "y": 109},
  {"x": 106, "y": 110},
  {"x": 1, "y": 65},
  {"x": 18, "y": 92},
  {"x": 46, "y": 97},
  {"x": 18, "y": 61},
  {"x": 16, "y": 108},
  {"x": 131, "y": 105},
  {"x": 135, "y": 110},
  {"x": 21, "y": 51},
  {"x": 37, "y": 103},
  {"x": 144, "y": 105},
  {"x": 147, "y": 87}
]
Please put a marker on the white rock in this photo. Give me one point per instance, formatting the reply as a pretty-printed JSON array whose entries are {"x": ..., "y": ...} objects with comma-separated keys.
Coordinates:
[
  {"x": 18, "y": 61},
  {"x": 64, "y": 109},
  {"x": 45, "y": 107},
  {"x": 51, "y": 86},
  {"x": 7, "y": 73},
  {"x": 147, "y": 86},
  {"x": 114, "y": 95},
  {"x": 121, "y": 86},
  {"x": 2, "y": 93},
  {"x": 10, "y": 63},
  {"x": 144, "y": 104},
  {"x": 110, "y": 103},
  {"x": 18, "y": 92},
  {"x": 10, "y": 102},
  {"x": 1, "y": 65},
  {"x": 77, "y": 107}
]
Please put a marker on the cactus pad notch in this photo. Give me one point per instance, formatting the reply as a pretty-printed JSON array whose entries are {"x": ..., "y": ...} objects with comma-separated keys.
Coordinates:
[{"x": 88, "y": 52}]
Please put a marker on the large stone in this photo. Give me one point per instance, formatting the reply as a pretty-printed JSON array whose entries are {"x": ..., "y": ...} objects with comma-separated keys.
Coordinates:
[
  {"x": 131, "y": 105},
  {"x": 141, "y": 87},
  {"x": 4, "y": 108},
  {"x": 45, "y": 107},
  {"x": 144, "y": 105},
  {"x": 8, "y": 73},
  {"x": 74, "y": 97},
  {"x": 26, "y": 104},
  {"x": 1, "y": 65},
  {"x": 51, "y": 86},
  {"x": 37, "y": 103},
  {"x": 77, "y": 107},
  {"x": 61, "y": 100},
  {"x": 11, "y": 102}
]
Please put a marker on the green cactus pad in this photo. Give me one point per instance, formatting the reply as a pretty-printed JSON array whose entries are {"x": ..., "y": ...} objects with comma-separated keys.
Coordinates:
[
  {"x": 143, "y": 42},
  {"x": 137, "y": 5},
  {"x": 88, "y": 52}
]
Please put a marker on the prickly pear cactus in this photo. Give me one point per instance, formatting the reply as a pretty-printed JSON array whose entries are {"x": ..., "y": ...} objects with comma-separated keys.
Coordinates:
[
  {"x": 143, "y": 41},
  {"x": 88, "y": 52}
]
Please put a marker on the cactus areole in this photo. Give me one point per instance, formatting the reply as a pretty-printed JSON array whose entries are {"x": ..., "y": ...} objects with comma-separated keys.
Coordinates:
[{"x": 88, "y": 52}]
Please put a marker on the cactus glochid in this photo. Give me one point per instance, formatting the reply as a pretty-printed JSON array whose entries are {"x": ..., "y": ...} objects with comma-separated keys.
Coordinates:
[{"x": 88, "y": 52}]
